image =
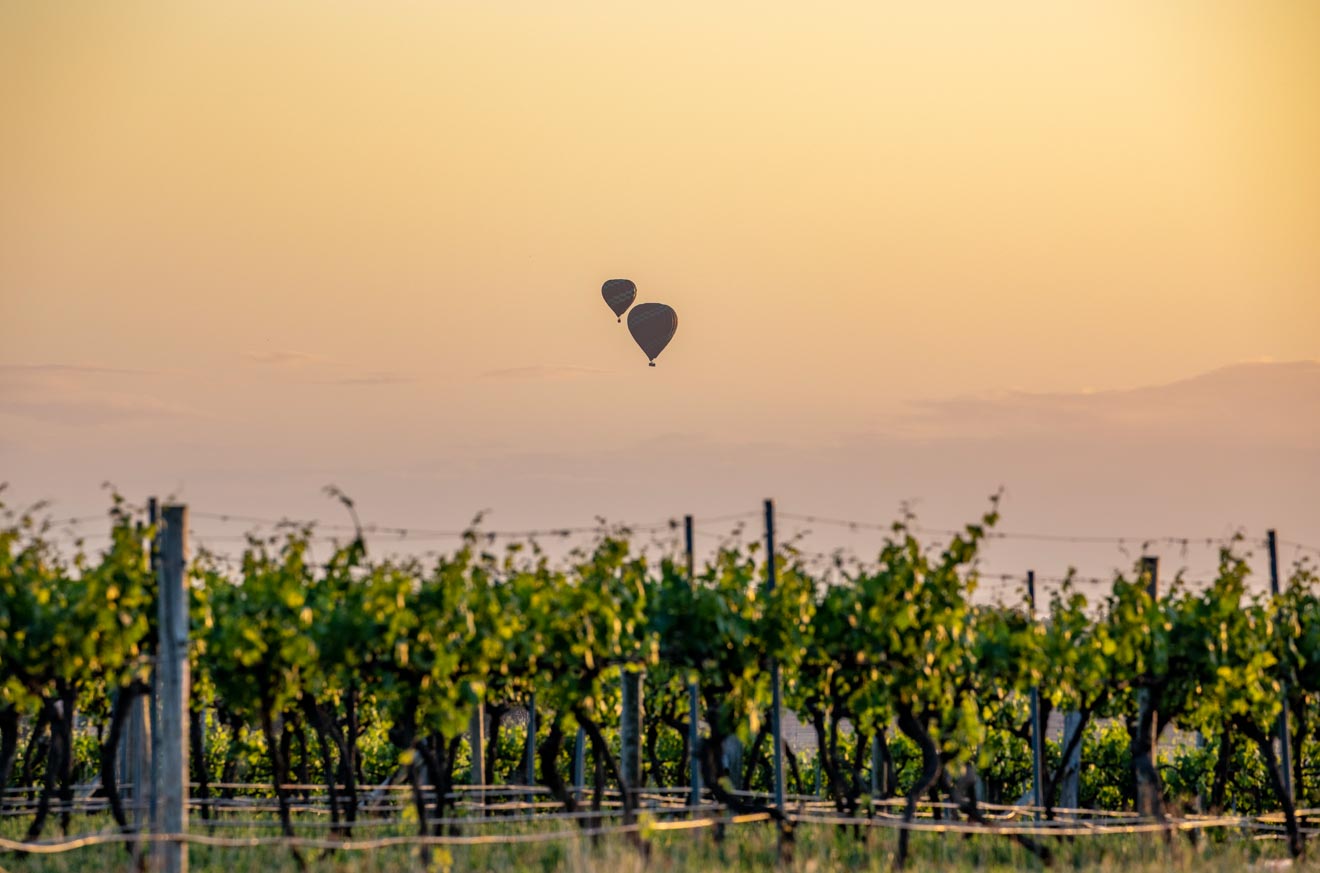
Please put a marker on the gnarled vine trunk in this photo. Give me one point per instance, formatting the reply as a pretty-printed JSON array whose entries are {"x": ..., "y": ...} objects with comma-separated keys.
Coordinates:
[
  {"x": 1223, "y": 763},
  {"x": 197, "y": 740},
  {"x": 1054, "y": 780},
  {"x": 1265, "y": 741},
  {"x": 119, "y": 714},
  {"x": 9, "y": 726},
  {"x": 1150, "y": 794},
  {"x": 279, "y": 772},
  {"x": 931, "y": 767},
  {"x": 549, "y": 752}
]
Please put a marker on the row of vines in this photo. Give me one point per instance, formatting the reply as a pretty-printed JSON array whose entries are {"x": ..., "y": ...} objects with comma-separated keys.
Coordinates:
[{"x": 345, "y": 669}]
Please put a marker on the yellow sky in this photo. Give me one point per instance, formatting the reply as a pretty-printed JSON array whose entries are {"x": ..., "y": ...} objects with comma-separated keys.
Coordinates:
[{"x": 279, "y": 212}]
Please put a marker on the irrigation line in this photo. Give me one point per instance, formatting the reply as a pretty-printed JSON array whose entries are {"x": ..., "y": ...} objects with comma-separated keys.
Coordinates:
[
  {"x": 57, "y": 847},
  {"x": 1035, "y": 829},
  {"x": 661, "y": 805}
]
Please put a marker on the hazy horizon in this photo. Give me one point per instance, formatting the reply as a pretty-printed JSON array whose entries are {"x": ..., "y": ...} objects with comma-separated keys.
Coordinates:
[{"x": 1185, "y": 460}]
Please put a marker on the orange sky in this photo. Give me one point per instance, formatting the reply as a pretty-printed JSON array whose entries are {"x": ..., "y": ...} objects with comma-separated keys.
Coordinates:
[{"x": 368, "y": 238}]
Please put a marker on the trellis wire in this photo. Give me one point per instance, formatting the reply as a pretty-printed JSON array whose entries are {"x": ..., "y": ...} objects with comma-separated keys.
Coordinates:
[
  {"x": 1035, "y": 829},
  {"x": 673, "y": 523}
]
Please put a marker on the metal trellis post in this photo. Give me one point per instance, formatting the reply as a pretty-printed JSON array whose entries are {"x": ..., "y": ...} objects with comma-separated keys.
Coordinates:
[
  {"x": 1037, "y": 740},
  {"x": 694, "y": 708},
  {"x": 1285, "y": 739}
]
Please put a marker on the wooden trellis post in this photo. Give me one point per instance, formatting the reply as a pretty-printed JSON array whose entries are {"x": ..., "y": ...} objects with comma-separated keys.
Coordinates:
[
  {"x": 172, "y": 681},
  {"x": 630, "y": 732}
]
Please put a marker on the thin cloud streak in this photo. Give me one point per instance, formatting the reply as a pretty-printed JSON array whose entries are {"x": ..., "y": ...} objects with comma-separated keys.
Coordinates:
[
  {"x": 371, "y": 379},
  {"x": 550, "y": 373},
  {"x": 85, "y": 411},
  {"x": 87, "y": 369},
  {"x": 282, "y": 358},
  {"x": 75, "y": 395}
]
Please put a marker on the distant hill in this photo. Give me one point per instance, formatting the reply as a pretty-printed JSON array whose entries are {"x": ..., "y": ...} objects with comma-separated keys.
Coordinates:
[{"x": 1266, "y": 403}]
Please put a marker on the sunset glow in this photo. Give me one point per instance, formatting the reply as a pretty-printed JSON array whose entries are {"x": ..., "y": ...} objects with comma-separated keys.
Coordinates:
[{"x": 250, "y": 248}]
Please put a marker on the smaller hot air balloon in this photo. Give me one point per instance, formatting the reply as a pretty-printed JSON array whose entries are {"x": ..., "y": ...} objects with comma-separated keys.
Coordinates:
[
  {"x": 619, "y": 294},
  {"x": 653, "y": 326}
]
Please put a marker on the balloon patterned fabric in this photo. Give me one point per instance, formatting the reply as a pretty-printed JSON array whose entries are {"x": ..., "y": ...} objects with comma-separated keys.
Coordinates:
[
  {"x": 619, "y": 294},
  {"x": 652, "y": 325}
]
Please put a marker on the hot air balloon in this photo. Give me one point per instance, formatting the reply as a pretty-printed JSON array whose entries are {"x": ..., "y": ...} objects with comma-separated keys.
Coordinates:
[
  {"x": 619, "y": 294},
  {"x": 653, "y": 326}
]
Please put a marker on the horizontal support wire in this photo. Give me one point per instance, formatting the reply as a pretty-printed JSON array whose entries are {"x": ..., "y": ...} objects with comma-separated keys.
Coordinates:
[
  {"x": 1301, "y": 547},
  {"x": 857, "y": 524},
  {"x": 403, "y": 533},
  {"x": 664, "y": 804},
  {"x": 477, "y": 532},
  {"x": 77, "y": 521},
  {"x": 477, "y": 821}
]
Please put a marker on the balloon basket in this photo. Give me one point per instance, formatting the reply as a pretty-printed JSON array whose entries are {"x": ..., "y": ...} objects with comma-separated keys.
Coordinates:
[{"x": 652, "y": 364}]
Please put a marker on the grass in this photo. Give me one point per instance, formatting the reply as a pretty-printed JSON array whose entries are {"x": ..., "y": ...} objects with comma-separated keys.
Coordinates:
[{"x": 753, "y": 847}]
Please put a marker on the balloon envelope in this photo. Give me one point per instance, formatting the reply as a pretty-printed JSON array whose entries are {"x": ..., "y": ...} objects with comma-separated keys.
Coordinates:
[
  {"x": 653, "y": 326},
  {"x": 619, "y": 294}
]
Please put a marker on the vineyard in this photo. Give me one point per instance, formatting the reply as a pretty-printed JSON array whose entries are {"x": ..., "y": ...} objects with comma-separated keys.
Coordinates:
[{"x": 488, "y": 697}]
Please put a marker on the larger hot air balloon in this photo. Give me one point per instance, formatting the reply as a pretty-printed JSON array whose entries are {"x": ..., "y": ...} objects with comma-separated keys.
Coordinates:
[
  {"x": 653, "y": 326},
  {"x": 619, "y": 294}
]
